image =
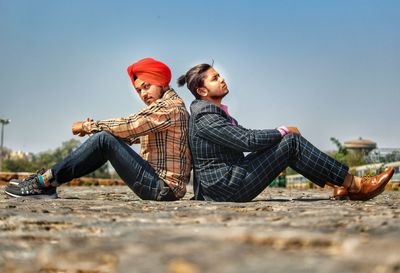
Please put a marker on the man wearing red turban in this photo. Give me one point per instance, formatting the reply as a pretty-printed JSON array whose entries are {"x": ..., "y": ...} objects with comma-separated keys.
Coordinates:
[
  {"x": 162, "y": 169},
  {"x": 151, "y": 71}
]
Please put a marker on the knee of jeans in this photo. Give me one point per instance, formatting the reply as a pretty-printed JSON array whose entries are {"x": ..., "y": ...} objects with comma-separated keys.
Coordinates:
[
  {"x": 103, "y": 139},
  {"x": 145, "y": 192},
  {"x": 103, "y": 136}
]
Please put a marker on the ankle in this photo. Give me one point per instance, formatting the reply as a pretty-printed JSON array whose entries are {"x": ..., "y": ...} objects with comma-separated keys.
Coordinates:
[
  {"x": 46, "y": 178},
  {"x": 355, "y": 185},
  {"x": 352, "y": 183}
]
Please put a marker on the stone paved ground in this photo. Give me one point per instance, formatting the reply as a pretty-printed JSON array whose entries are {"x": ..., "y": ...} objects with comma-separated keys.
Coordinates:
[{"x": 108, "y": 229}]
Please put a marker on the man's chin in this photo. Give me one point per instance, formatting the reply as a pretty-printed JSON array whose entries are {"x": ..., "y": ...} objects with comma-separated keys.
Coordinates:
[
  {"x": 219, "y": 97},
  {"x": 226, "y": 93},
  {"x": 148, "y": 102}
]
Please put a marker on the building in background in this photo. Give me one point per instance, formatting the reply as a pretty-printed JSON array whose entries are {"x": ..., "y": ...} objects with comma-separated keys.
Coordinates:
[
  {"x": 360, "y": 145},
  {"x": 15, "y": 155},
  {"x": 383, "y": 155}
]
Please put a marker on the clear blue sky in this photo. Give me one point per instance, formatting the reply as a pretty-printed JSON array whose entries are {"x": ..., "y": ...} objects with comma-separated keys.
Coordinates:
[{"x": 330, "y": 67}]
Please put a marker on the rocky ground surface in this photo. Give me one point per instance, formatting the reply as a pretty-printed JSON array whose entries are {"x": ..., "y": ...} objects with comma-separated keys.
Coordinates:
[{"x": 108, "y": 229}]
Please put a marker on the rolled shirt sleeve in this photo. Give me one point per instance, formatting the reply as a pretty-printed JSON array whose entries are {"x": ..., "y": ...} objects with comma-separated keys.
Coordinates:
[{"x": 152, "y": 119}]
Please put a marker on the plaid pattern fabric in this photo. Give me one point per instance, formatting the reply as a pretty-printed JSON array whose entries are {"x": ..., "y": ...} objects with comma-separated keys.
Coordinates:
[
  {"x": 223, "y": 173},
  {"x": 161, "y": 128}
]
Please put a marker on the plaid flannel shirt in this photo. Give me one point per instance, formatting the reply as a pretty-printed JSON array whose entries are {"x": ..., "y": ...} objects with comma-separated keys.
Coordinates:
[{"x": 162, "y": 130}]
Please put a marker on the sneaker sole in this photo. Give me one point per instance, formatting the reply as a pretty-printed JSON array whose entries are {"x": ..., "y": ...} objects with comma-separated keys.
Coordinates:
[{"x": 38, "y": 196}]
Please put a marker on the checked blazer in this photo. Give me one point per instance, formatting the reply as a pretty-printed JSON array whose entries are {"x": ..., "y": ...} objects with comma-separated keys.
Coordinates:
[
  {"x": 217, "y": 148},
  {"x": 223, "y": 173}
]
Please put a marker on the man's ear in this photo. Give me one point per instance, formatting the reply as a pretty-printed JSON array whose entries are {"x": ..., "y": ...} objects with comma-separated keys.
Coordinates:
[{"x": 202, "y": 91}]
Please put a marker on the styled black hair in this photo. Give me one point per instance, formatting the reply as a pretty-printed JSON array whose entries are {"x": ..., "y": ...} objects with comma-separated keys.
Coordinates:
[{"x": 194, "y": 78}]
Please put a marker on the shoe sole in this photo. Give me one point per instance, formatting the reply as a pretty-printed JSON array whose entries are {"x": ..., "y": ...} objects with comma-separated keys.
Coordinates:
[
  {"x": 38, "y": 196},
  {"x": 340, "y": 198}
]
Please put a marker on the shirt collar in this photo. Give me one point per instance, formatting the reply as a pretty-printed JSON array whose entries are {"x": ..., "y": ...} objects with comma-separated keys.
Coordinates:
[{"x": 224, "y": 108}]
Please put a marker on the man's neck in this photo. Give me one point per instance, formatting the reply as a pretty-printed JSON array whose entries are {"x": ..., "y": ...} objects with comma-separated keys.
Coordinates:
[
  {"x": 166, "y": 88},
  {"x": 216, "y": 101}
]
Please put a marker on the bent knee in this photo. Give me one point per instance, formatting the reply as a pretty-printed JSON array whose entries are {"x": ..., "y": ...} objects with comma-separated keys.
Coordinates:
[
  {"x": 103, "y": 136},
  {"x": 290, "y": 136},
  {"x": 293, "y": 138}
]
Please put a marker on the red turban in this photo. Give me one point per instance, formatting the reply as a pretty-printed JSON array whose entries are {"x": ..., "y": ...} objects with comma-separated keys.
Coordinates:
[{"x": 150, "y": 71}]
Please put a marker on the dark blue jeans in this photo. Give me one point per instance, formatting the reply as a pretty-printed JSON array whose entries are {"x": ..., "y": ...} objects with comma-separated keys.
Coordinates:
[{"x": 136, "y": 172}]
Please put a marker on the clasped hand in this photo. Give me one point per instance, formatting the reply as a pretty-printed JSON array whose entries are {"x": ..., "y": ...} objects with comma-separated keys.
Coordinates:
[
  {"x": 294, "y": 130},
  {"x": 77, "y": 127}
]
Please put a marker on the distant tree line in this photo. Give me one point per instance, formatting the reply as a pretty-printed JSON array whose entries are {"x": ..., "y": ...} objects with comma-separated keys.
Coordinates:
[
  {"x": 48, "y": 159},
  {"x": 343, "y": 156}
]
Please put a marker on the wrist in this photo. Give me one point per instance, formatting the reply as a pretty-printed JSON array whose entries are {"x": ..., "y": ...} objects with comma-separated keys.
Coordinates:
[
  {"x": 84, "y": 127},
  {"x": 283, "y": 130}
]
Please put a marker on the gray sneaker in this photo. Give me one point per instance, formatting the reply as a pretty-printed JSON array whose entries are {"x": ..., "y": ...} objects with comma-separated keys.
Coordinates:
[
  {"x": 17, "y": 181},
  {"x": 14, "y": 182},
  {"x": 30, "y": 187}
]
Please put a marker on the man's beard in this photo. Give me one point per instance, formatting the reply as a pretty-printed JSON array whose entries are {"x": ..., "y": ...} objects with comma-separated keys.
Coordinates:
[{"x": 220, "y": 96}]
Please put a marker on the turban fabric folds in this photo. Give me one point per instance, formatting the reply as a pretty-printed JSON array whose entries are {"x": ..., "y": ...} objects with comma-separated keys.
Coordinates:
[{"x": 150, "y": 71}]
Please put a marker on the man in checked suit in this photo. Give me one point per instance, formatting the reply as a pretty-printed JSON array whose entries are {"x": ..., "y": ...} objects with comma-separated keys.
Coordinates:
[{"x": 217, "y": 143}]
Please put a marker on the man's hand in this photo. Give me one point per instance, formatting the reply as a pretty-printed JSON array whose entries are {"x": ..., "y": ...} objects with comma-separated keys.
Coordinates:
[
  {"x": 294, "y": 130},
  {"x": 77, "y": 127}
]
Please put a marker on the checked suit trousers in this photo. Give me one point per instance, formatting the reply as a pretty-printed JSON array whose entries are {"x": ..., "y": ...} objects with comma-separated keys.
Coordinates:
[{"x": 292, "y": 151}]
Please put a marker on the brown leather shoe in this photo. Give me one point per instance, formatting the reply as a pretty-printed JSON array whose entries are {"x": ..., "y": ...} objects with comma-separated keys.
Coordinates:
[
  {"x": 340, "y": 193},
  {"x": 372, "y": 186}
]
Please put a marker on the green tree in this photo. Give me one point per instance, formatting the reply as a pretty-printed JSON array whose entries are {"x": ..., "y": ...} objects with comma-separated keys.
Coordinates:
[
  {"x": 355, "y": 159},
  {"x": 341, "y": 153},
  {"x": 18, "y": 165},
  {"x": 50, "y": 158},
  {"x": 344, "y": 156},
  {"x": 102, "y": 172},
  {"x": 341, "y": 149}
]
